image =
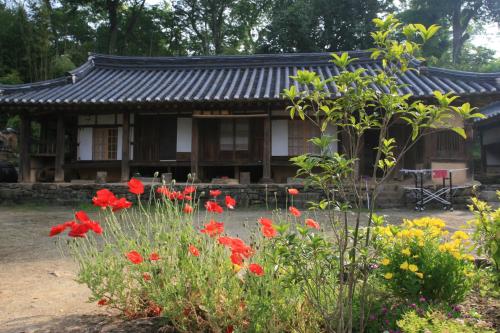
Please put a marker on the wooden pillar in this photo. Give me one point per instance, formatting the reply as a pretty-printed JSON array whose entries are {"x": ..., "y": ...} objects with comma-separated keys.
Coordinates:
[
  {"x": 484, "y": 168},
  {"x": 24, "y": 151},
  {"x": 469, "y": 146},
  {"x": 266, "y": 152},
  {"x": 59, "y": 160},
  {"x": 195, "y": 149},
  {"x": 125, "y": 163}
]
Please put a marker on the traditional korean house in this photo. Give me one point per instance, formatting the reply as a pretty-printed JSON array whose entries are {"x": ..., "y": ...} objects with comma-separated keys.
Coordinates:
[
  {"x": 217, "y": 116},
  {"x": 488, "y": 132}
]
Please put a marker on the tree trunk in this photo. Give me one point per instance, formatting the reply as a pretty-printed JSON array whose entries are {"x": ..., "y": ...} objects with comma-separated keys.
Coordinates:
[
  {"x": 457, "y": 32},
  {"x": 112, "y": 7},
  {"x": 136, "y": 12}
]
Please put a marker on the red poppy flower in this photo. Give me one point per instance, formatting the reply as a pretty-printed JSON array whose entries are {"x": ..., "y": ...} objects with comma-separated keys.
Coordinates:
[
  {"x": 121, "y": 203},
  {"x": 215, "y": 193},
  {"x": 213, "y": 228},
  {"x": 154, "y": 310},
  {"x": 293, "y": 191},
  {"x": 239, "y": 250},
  {"x": 295, "y": 212},
  {"x": 224, "y": 240},
  {"x": 188, "y": 209},
  {"x": 82, "y": 216},
  {"x": 102, "y": 302},
  {"x": 189, "y": 189},
  {"x": 312, "y": 224},
  {"x": 194, "y": 251},
  {"x": 57, "y": 229},
  {"x": 69, "y": 224},
  {"x": 79, "y": 230},
  {"x": 268, "y": 231},
  {"x": 90, "y": 225},
  {"x": 163, "y": 190},
  {"x": 256, "y": 269},
  {"x": 104, "y": 198},
  {"x": 135, "y": 186},
  {"x": 146, "y": 276},
  {"x": 230, "y": 329},
  {"x": 154, "y": 256},
  {"x": 94, "y": 226},
  {"x": 135, "y": 257},
  {"x": 188, "y": 197},
  {"x": 266, "y": 222},
  {"x": 176, "y": 195},
  {"x": 236, "y": 258},
  {"x": 213, "y": 207},
  {"x": 230, "y": 202}
]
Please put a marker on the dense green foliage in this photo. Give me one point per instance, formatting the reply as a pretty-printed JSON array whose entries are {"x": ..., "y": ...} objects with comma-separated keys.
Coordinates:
[
  {"x": 41, "y": 39},
  {"x": 460, "y": 19},
  {"x": 437, "y": 322}
]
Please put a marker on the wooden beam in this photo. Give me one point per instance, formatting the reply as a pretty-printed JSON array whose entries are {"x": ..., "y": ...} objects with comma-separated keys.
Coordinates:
[
  {"x": 24, "y": 151},
  {"x": 59, "y": 160},
  {"x": 195, "y": 149},
  {"x": 229, "y": 116},
  {"x": 266, "y": 152},
  {"x": 125, "y": 163}
]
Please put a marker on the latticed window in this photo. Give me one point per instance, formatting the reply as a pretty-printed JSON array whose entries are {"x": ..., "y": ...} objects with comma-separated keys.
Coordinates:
[
  {"x": 299, "y": 134},
  {"x": 105, "y": 144},
  {"x": 234, "y": 134}
]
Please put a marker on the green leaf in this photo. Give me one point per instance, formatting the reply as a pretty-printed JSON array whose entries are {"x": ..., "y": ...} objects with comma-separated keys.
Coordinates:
[{"x": 460, "y": 131}]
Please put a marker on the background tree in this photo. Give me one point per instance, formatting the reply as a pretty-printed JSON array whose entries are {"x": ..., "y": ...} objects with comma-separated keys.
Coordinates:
[
  {"x": 219, "y": 26},
  {"x": 455, "y": 16},
  {"x": 324, "y": 25}
]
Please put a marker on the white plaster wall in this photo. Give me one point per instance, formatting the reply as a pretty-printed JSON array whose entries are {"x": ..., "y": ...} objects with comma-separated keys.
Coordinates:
[
  {"x": 84, "y": 152},
  {"x": 184, "y": 132},
  {"x": 119, "y": 144},
  {"x": 279, "y": 137}
]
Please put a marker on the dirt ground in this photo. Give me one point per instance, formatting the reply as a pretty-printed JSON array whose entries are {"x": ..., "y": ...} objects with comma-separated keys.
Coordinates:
[{"x": 37, "y": 288}]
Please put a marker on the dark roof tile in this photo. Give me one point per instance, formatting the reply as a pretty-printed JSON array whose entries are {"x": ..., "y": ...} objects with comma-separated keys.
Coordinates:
[{"x": 119, "y": 79}]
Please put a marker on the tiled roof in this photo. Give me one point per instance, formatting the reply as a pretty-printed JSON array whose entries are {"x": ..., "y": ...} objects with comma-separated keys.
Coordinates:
[
  {"x": 490, "y": 111},
  {"x": 107, "y": 79}
]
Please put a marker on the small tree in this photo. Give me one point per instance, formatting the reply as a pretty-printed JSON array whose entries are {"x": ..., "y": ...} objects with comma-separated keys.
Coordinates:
[{"x": 362, "y": 106}]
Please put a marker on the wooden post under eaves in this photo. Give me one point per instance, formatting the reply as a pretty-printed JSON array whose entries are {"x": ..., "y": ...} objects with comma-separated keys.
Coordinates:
[
  {"x": 195, "y": 149},
  {"x": 24, "y": 151},
  {"x": 59, "y": 160},
  {"x": 125, "y": 163},
  {"x": 484, "y": 169},
  {"x": 266, "y": 152},
  {"x": 468, "y": 148}
]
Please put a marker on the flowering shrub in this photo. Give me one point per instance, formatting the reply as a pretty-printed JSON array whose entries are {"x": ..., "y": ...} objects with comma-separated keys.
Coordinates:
[
  {"x": 486, "y": 234},
  {"x": 421, "y": 258},
  {"x": 158, "y": 260}
]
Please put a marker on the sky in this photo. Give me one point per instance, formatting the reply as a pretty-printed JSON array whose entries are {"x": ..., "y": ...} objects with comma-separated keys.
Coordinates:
[{"x": 490, "y": 38}]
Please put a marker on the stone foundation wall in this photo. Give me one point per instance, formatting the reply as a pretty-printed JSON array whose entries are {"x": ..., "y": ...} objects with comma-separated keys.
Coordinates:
[
  {"x": 272, "y": 196},
  {"x": 66, "y": 193}
]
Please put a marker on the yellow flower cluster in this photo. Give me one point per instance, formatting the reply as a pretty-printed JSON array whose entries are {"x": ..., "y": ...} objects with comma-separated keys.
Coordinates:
[
  {"x": 456, "y": 247},
  {"x": 418, "y": 229},
  {"x": 414, "y": 234},
  {"x": 412, "y": 268}
]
